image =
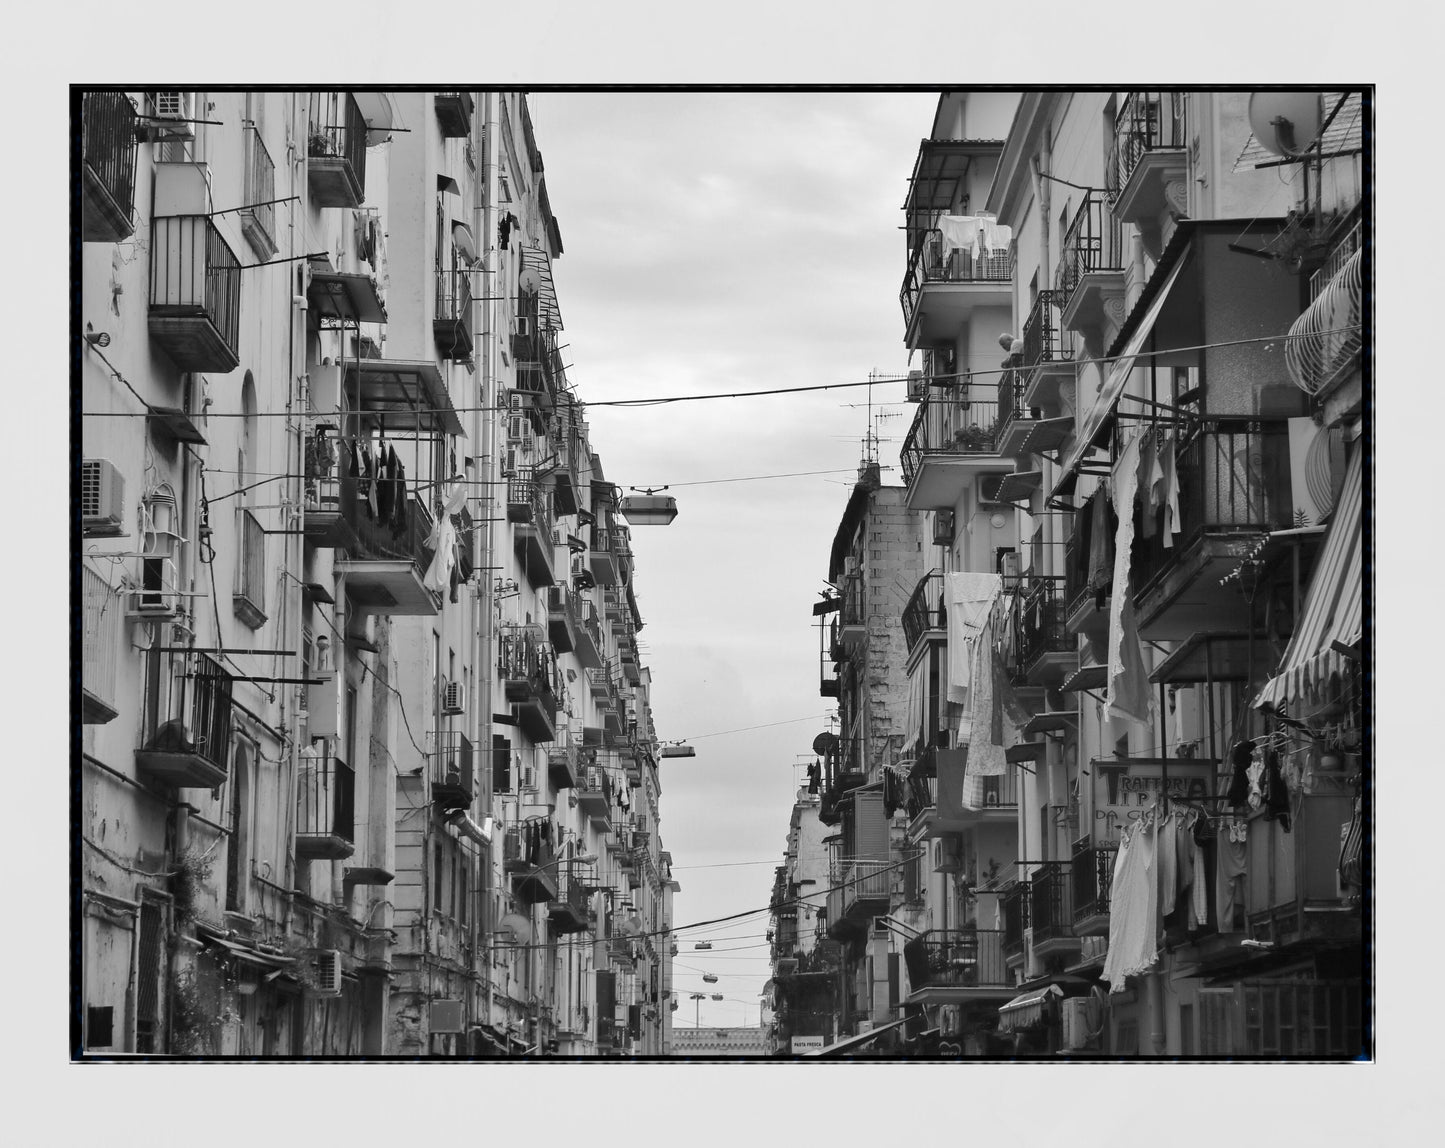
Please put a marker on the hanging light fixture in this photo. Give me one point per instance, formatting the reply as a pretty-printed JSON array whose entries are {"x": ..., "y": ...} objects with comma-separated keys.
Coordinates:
[{"x": 648, "y": 507}]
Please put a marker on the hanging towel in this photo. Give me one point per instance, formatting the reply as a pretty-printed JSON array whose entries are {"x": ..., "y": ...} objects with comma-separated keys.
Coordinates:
[
  {"x": 1276, "y": 793},
  {"x": 1127, "y": 689},
  {"x": 1133, "y": 908},
  {"x": 398, "y": 517},
  {"x": 985, "y": 756},
  {"x": 1167, "y": 851},
  {"x": 1199, "y": 902},
  {"x": 1101, "y": 566},
  {"x": 1147, "y": 455},
  {"x": 996, "y": 236},
  {"x": 1169, "y": 494},
  {"x": 1230, "y": 862},
  {"x": 959, "y": 233},
  {"x": 1240, "y": 758},
  {"x": 442, "y": 541},
  {"x": 968, "y": 598}
]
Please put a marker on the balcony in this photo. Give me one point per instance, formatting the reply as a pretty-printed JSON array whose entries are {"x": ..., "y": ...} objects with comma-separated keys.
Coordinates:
[
  {"x": 599, "y": 685},
  {"x": 336, "y": 151},
  {"x": 187, "y": 732},
  {"x": 385, "y": 563},
  {"x": 587, "y": 634},
  {"x": 1089, "y": 278},
  {"x": 603, "y": 556},
  {"x": 866, "y": 887},
  {"x": 108, "y": 140},
  {"x": 451, "y": 769},
  {"x": 953, "y": 440},
  {"x": 562, "y": 624},
  {"x": 569, "y": 911},
  {"x": 1149, "y": 165},
  {"x": 1048, "y": 358},
  {"x": 1325, "y": 344},
  {"x": 1051, "y": 913},
  {"x": 954, "y": 966},
  {"x": 939, "y": 290},
  {"x": 99, "y": 648},
  {"x": 454, "y": 114},
  {"x": 1045, "y": 651},
  {"x": 531, "y": 864},
  {"x": 248, "y": 596},
  {"x": 594, "y": 796},
  {"x": 1092, "y": 876},
  {"x": 925, "y": 616},
  {"x": 528, "y": 670},
  {"x": 843, "y": 772},
  {"x": 195, "y": 300},
  {"x": 828, "y": 683},
  {"x": 452, "y": 320},
  {"x": 562, "y": 766},
  {"x": 258, "y": 221},
  {"x": 529, "y": 508},
  {"x": 325, "y": 809},
  {"x": 1014, "y": 904},
  {"x": 1086, "y": 610},
  {"x": 853, "y": 617},
  {"x": 1234, "y": 487}
]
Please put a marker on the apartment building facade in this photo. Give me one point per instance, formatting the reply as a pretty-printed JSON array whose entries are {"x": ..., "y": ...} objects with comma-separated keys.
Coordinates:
[
  {"x": 388, "y": 797},
  {"x": 1142, "y": 324}
]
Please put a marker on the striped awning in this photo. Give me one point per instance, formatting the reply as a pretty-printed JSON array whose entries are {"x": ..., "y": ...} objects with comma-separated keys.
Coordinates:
[
  {"x": 1027, "y": 1009},
  {"x": 1333, "y": 611}
]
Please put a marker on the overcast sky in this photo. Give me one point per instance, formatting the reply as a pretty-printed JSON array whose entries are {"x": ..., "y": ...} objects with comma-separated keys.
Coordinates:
[{"x": 726, "y": 242}]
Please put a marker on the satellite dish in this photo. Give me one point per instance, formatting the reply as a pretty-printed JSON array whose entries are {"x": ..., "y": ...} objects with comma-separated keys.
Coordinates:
[
  {"x": 1285, "y": 123},
  {"x": 528, "y": 280},
  {"x": 825, "y": 742},
  {"x": 519, "y": 927}
]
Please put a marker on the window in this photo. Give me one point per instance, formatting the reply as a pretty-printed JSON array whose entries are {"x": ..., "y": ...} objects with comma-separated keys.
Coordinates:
[
  {"x": 239, "y": 822},
  {"x": 1186, "y": 1030},
  {"x": 1216, "y": 1022},
  {"x": 1302, "y": 1018},
  {"x": 438, "y": 878}
]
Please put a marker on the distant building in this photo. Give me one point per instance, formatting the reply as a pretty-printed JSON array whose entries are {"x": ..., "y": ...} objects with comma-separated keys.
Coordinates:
[{"x": 719, "y": 1042}]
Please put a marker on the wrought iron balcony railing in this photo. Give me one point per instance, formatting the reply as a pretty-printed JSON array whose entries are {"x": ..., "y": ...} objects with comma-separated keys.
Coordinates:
[
  {"x": 1091, "y": 243},
  {"x": 195, "y": 300},
  {"x": 925, "y": 609},
  {"x": 1092, "y": 875},
  {"x": 325, "y": 808},
  {"x": 186, "y": 733},
  {"x": 258, "y": 219},
  {"x": 1146, "y": 121},
  {"x": 1045, "y": 338},
  {"x": 1015, "y": 907},
  {"x": 957, "y": 958},
  {"x": 1040, "y": 621},
  {"x": 336, "y": 150},
  {"x": 928, "y": 264},
  {"x": 1050, "y": 914},
  {"x": 967, "y": 420},
  {"x": 108, "y": 141}
]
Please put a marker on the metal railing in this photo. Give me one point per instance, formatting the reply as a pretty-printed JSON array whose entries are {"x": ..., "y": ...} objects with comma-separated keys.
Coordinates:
[
  {"x": 337, "y": 130},
  {"x": 1044, "y": 336},
  {"x": 957, "y": 958},
  {"x": 1076, "y": 563},
  {"x": 1014, "y": 904},
  {"x": 529, "y": 502},
  {"x": 928, "y": 264},
  {"x": 588, "y": 620},
  {"x": 1146, "y": 121},
  {"x": 1092, "y": 875},
  {"x": 109, "y": 145},
  {"x": 260, "y": 184},
  {"x": 1050, "y": 912},
  {"x": 960, "y": 423},
  {"x": 1234, "y": 477},
  {"x": 1350, "y": 242},
  {"x": 1040, "y": 620},
  {"x": 188, "y": 705},
  {"x": 1011, "y": 386},
  {"x": 250, "y": 560},
  {"x": 454, "y": 296},
  {"x": 523, "y": 655},
  {"x": 326, "y": 799},
  {"x": 1091, "y": 243},
  {"x": 863, "y": 881},
  {"x": 925, "y": 609},
  {"x": 100, "y": 638},
  {"x": 195, "y": 274},
  {"x": 451, "y": 763}
]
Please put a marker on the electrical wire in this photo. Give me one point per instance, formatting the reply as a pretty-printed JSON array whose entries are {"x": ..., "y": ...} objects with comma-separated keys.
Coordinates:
[{"x": 748, "y": 728}]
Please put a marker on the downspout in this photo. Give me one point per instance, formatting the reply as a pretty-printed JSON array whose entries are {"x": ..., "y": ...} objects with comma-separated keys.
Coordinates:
[{"x": 484, "y": 427}]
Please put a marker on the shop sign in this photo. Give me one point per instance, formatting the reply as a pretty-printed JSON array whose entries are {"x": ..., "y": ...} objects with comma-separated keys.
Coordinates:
[{"x": 1123, "y": 791}]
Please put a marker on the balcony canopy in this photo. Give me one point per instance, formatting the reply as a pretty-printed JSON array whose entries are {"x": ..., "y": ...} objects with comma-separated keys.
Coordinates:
[
  {"x": 537, "y": 275},
  {"x": 853, "y": 1043},
  {"x": 1333, "y": 612},
  {"x": 408, "y": 395},
  {"x": 348, "y": 298},
  {"x": 1026, "y": 1009},
  {"x": 938, "y": 173}
]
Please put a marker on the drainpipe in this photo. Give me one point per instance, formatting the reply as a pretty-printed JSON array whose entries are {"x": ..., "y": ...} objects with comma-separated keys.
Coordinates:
[
  {"x": 1043, "y": 196},
  {"x": 484, "y": 425}
]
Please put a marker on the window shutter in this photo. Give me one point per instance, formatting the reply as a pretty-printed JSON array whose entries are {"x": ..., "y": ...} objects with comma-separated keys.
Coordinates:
[{"x": 501, "y": 764}]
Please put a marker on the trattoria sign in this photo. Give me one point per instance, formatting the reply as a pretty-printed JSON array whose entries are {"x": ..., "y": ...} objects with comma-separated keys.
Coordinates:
[{"x": 1124, "y": 790}]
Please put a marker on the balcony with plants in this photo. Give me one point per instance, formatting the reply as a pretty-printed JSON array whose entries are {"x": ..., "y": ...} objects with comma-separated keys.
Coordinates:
[
  {"x": 325, "y": 806},
  {"x": 336, "y": 150},
  {"x": 953, "y": 440},
  {"x": 528, "y": 669},
  {"x": 186, "y": 732},
  {"x": 108, "y": 155},
  {"x": 195, "y": 294}
]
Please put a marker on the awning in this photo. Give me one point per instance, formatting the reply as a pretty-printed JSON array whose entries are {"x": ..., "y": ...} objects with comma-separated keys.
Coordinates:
[
  {"x": 1210, "y": 657},
  {"x": 1027, "y": 1009},
  {"x": 1333, "y": 611},
  {"x": 1086, "y": 678},
  {"x": 345, "y": 296},
  {"x": 414, "y": 391},
  {"x": 1119, "y": 372},
  {"x": 850, "y": 1043},
  {"x": 539, "y": 264},
  {"x": 938, "y": 172}
]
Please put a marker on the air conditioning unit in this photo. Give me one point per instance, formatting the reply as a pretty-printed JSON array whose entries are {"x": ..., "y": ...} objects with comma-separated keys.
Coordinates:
[
  {"x": 1009, "y": 567},
  {"x": 454, "y": 699},
  {"x": 917, "y": 387},
  {"x": 1074, "y": 1013},
  {"x": 157, "y": 596},
  {"x": 943, "y": 528},
  {"x": 1033, "y": 965},
  {"x": 519, "y": 428},
  {"x": 102, "y": 498},
  {"x": 170, "y": 116},
  {"x": 328, "y": 973}
]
